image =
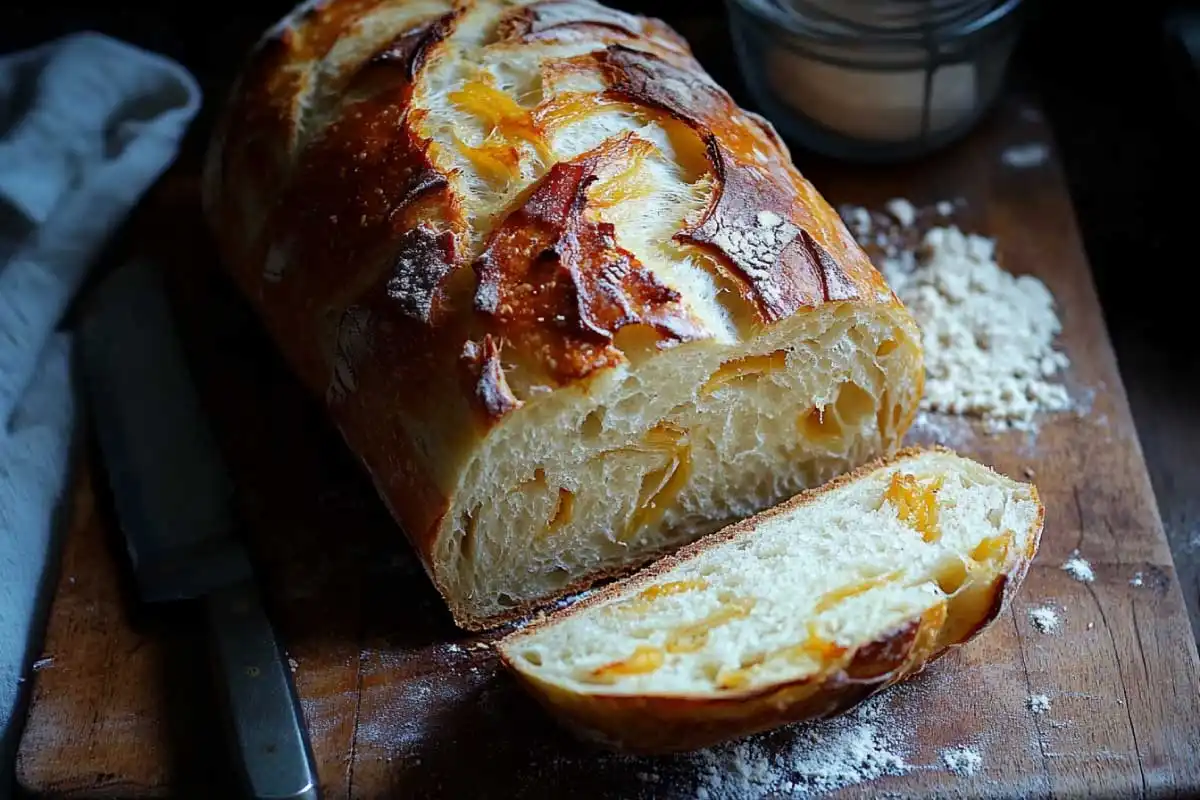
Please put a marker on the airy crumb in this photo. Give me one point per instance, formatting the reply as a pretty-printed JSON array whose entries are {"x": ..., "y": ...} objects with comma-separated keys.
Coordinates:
[
  {"x": 964, "y": 761},
  {"x": 293, "y": 664},
  {"x": 1137, "y": 579},
  {"x": 1039, "y": 703},
  {"x": 1078, "y": 568},
  {"x": 1044, "y": 618},
  {"x": 1029, "y": 473}
]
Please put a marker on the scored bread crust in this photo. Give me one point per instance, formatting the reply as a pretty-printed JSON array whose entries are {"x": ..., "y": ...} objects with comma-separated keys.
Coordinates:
[
  {"x": 400, "y": 267},
  {"x": 655, "y": 724}
]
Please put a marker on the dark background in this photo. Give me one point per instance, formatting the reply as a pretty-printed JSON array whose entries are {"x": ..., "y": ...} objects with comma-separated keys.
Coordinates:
[{"x": 1119, "y": 89}]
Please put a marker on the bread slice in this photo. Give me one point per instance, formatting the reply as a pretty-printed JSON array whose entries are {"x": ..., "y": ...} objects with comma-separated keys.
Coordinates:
[{"x": 795, "y": 614}]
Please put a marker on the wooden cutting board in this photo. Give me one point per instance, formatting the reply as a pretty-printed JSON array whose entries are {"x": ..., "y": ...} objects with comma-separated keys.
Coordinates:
[{"x": 400, "y": 704}]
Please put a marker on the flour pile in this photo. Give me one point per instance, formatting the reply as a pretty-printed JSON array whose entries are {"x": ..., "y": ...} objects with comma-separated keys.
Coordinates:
[
  {"x": 1044, "y": 618},
  {"x": 988, "y": 335}
]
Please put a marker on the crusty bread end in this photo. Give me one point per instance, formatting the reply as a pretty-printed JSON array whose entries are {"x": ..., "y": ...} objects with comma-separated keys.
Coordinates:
[{"x": 798, "y": 613}]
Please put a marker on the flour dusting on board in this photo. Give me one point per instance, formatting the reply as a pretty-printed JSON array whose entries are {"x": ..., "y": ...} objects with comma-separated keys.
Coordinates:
[
  {"x": 1078, "y": 568},
  {"x": 861, "y": 746},
  {"x": 1044, "y": 618},
  {"x": 944, "y": 429},
  {"x": 988, "y": 335},
  {"x": 963, "y": 761}
]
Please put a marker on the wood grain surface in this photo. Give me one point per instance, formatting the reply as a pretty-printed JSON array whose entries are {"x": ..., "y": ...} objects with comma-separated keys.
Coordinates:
[{"x": 400, "y": 704}]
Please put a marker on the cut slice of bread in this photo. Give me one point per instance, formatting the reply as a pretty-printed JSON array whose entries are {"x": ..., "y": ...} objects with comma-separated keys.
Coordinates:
[{"x": 795, "y": 614}]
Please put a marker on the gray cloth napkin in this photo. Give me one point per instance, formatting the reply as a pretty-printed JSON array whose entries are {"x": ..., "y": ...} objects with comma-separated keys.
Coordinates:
[{"x": 87, "y": 124}]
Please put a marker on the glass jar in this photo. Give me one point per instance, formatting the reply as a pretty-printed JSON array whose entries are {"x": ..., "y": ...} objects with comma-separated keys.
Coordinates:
[{"x": 874, "y": 80}]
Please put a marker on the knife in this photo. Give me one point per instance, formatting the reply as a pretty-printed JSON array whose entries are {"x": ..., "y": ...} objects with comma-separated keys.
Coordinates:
[{"x": 174, "y": 503}]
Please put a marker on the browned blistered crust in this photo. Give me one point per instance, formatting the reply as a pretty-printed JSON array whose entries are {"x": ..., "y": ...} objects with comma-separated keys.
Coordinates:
[
  {"x": 423, "y": 260},
  {"x": 316, "y": 219},
  {"x": 564, "y": 21},
  {"x": 754, "y": 223},
  {"x": 352, "y": 188},
  {"x": 781, "y": 267},
  {"x": 681, "y": 88},
  {"x": 267, "y": 99},
  {"x": 557, "y": 284},
  {"x": 409, "y": 50},
  {"x": 363, "y": 220},
  {"x": 651, "y": 724}
]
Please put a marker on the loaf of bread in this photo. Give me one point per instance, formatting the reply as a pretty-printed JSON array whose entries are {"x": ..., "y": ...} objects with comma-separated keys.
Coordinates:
[
  {"x": 569, "y": 305},
  {"x": 795, "y": 614}
]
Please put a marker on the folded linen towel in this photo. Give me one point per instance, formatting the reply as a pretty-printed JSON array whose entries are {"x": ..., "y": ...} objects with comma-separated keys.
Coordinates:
[{"x": 87, "y": 123}]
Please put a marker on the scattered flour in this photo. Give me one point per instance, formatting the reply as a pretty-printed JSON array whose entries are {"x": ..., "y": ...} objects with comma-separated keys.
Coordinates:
[
  {"x": 1044, "y": 618},
  {"x": 1023, "y": 156},
  {"x": 1039, "y": 703},
  {"x": 904, "y": 211},
  {"x": 988, "y": 335},
  {"x": 1137, "y": 579},
  {"x": 845, "y": 751},
  {"x": 950, "y": 431},
  {"x": 963, "y": 761},
  {"x": 1078, "y": 568}
]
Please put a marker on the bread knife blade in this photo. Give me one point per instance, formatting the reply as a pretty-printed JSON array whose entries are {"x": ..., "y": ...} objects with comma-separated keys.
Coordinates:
[{"x": 173, "y": 500}]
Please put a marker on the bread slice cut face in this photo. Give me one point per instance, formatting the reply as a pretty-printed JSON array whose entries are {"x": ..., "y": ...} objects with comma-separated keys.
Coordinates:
[{"x": 795, "y": 614}]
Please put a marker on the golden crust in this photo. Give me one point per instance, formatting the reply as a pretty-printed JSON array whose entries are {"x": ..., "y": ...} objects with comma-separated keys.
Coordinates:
[
  {"x": 557, "y": 285},
  {"x": 565, "y": 21},
  {"x": 651, "y": 724},
  {"x": 787, "y": 251},
  {"x": 358, "y": 247}
]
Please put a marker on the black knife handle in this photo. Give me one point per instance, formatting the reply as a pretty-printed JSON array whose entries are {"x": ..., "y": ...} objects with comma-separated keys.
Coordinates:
[{"x": 273, "y": 751}]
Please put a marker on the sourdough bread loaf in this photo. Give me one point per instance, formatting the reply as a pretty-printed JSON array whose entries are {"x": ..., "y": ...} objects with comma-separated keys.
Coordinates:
[
  {"x": 795, "y": 614},
  {"x": 569, "y": 304}
]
